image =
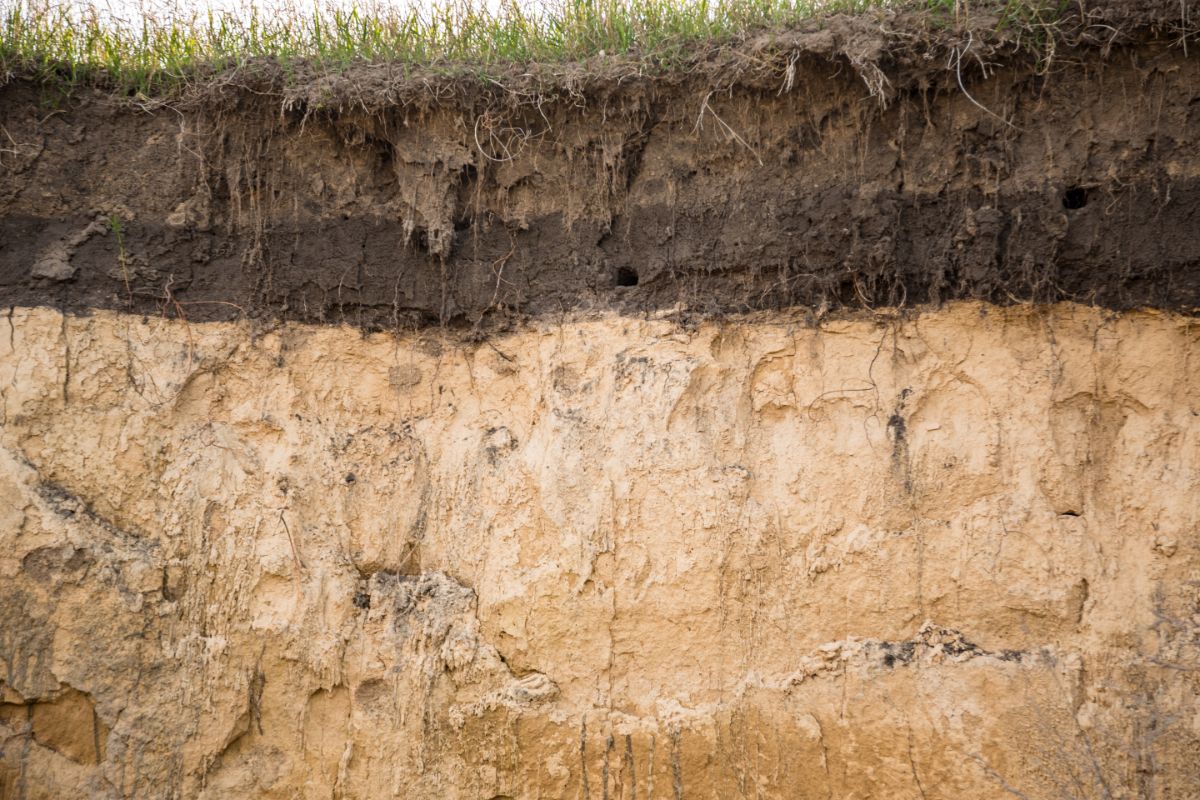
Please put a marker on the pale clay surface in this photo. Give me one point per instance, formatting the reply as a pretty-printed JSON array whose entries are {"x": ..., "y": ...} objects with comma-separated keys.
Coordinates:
[{"x": 954, "y": 555}]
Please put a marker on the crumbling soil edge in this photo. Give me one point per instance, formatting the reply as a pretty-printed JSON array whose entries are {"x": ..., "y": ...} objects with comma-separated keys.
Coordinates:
[{"x": 877, "y": 160}]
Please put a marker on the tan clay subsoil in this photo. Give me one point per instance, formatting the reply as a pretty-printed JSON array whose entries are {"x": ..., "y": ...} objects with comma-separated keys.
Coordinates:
[{"x": 946, "y": 555}]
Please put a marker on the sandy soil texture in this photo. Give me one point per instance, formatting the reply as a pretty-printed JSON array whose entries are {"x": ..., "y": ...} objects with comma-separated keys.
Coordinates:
[{"x": 953, "y": 554}]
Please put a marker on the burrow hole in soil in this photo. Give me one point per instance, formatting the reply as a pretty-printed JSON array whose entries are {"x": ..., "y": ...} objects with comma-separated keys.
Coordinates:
[
  {"x": 627, "y": 276},
  {"x": 1074, "y": 198}
]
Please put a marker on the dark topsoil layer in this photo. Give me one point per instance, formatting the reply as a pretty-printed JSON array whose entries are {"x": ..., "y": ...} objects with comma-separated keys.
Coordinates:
[{"x": 879, "y": 160}]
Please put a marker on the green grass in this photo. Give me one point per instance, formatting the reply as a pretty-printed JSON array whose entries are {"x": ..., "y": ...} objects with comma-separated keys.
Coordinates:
[
  {"x": 77, "y": 43},
  {"x": 42, "y": 37}
]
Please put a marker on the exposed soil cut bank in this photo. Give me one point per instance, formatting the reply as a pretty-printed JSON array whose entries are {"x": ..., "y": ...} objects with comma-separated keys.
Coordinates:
[
  {"x": 375, "y": 435},
  {"x": 877, "y": 160}
]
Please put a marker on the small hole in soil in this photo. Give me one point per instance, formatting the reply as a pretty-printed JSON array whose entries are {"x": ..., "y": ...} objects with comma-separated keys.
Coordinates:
[
  {"x": 627, "y": 276},
  {"x": 1075, "y": 197}
]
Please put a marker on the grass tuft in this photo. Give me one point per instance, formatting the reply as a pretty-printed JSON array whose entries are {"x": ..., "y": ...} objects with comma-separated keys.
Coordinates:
[{"x": 153, "y": 53}]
